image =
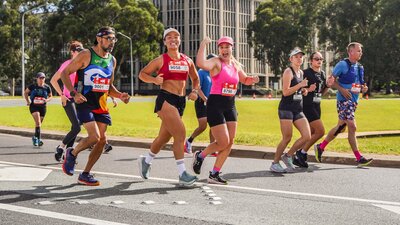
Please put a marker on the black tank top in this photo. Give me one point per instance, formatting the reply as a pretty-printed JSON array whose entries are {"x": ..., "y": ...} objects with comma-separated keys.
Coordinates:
[
  {"x": 317, "y": 78},
  {"x": 293, "y": 102}
]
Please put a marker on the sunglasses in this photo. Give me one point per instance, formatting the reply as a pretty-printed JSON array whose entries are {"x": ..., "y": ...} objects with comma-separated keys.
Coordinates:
[
  {"x": 77, "y": 50},
  {"x": 114, "y": 39},
  {"x": 41, "y": 78},
  {"x": 318, "y": 59}
]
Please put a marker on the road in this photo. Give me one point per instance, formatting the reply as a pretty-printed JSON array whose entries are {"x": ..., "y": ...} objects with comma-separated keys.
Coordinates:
[{"x": 34, "y": 190}]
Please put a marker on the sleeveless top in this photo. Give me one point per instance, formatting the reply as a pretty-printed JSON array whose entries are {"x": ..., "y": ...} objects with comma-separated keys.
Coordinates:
[
  {"x": 94, "y": 82},
  {"x": 293, "y": 102},
  {"x": 226, "y": 81},
  {"x": 175, "y": 69}
]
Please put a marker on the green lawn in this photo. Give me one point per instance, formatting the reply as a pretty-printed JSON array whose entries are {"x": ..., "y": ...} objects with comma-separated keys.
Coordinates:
[{"x": 258, "y": 122}]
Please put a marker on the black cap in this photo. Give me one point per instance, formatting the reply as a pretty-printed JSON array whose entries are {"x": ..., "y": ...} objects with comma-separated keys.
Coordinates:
[
  {"x": 104, "y": 31},
  {"x": 40, "y": 74}
]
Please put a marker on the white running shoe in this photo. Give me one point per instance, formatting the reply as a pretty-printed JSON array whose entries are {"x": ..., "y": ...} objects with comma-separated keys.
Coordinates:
[
  {"x": 188, "y": 147},
  {"x": 288, "y": 160},
  {"x": 277, "y": 168}
]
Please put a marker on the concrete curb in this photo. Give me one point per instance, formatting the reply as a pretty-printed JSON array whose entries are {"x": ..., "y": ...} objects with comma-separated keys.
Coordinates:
[{"x": 239, "y": 151}]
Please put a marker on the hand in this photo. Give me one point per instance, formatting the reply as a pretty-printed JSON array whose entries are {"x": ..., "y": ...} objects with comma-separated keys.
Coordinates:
[
  {"x": 346, "y": 93},
  {"x": 330, "y": 81},
  {"x": 312, "y": 88},
  {"x": 364, "y": 88},
  {"x": 206, "y": 41},
  {"x": 79, "y": 98},
  {"x": 256, "y": 79},
  {"x": 158, "y": 80},
  {"x": 193, "y": 96},
  {"x": 125, "y": 97},
  {"x": 115, "y": 103},
  {"x": 304, "y": 91},
  {"x": 28, "y": 103},
  {"x": 64, "y": 100},
  {"x": 304, "y": 83}
]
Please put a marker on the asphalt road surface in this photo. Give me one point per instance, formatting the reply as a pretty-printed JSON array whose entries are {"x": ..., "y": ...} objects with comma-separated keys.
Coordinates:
[{"x": 34, "y": 190}]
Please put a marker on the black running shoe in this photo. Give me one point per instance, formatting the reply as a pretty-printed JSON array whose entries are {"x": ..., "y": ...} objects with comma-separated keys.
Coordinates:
[
  {"x": 318, "y": 153},
  {"x": 197, "y": 162},
  {"x": 216, "y": 179},
  {"x": 59, "y": 153},
  {"x": 301, "y": 159},
  {"x": 364, "y": 162},
  {"x": 107, "y": 148}
]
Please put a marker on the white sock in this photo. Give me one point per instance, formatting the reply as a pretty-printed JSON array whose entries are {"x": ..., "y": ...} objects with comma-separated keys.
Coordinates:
[
  {"x": 304, "y": 152},
  {"x": 149, "y": 157},
  {"x": 181, "y": 166}
]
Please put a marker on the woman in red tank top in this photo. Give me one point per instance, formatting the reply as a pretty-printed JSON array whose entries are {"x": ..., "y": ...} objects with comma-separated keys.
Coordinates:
[{"x": 172, "y": 70}]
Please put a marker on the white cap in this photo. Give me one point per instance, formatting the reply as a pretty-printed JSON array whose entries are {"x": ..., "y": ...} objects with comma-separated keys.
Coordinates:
[
  {"x": 169, "y": 30},
  {"x": 296, "y": 51}
]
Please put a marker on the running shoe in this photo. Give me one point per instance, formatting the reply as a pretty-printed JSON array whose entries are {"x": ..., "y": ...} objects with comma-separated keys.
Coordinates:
[
  {"x": 35, "y": 141},
  {"x": 277, "y": 168},
  {"x": 107, "y": 148},
  {"x": 364, "y": 162},
  {"x": 40, "y": 142},
  {"x": 88, "y": 179},
  {"x": 69, "y": 163},
  {"x": 216, "y": 179},
  {"x": 318, "y": 153},
  {"x": 58, "y": 154},
  {"x": 188, "y": 147},
  {"x": 288, "y": 162},
  {"x": 197, "y": 162},
  {"x": 144, "y": 168},
  {"x": 186, "y": 179},
  {"x": 300, "y": 159}
]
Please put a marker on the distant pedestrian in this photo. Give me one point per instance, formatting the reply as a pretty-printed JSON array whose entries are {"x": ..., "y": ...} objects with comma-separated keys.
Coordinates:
[{"x": 37, "y": 95}]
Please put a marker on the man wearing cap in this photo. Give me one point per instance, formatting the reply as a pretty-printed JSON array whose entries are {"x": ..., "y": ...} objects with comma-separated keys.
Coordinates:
[
  {"x": 348, "y": 78},
  {"x": 36, "y": 96},
  {"x": 67, "y": 101},
  {"x": 95, "y": 76}
]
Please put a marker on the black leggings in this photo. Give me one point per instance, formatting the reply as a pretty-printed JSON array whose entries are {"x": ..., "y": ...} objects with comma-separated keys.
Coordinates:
[{"x": 70, "y": 110}]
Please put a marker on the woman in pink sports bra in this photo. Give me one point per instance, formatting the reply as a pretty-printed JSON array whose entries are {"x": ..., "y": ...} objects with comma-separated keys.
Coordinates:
[
  {"x": 225, "y": 73},
  {"x": 172, "y": 70}
]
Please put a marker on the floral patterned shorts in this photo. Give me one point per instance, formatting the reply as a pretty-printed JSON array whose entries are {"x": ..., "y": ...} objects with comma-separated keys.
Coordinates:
[{"x": 346, "y": 109}]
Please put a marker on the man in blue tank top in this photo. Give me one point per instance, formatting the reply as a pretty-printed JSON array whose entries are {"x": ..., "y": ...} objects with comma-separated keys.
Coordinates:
[{"x": 348, "y": 78}]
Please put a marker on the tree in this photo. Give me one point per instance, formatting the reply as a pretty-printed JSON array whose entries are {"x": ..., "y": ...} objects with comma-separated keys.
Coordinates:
[
  {"x": 80, "y": 20},
  {"x": 281, "y": 25}
]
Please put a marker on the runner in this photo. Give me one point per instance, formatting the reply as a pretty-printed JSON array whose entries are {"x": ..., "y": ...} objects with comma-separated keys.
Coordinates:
[
  {"x": 226, "y": 73},
  {"x": 200, "y": 107},
  {"x": 291, "y": 112},
  {"x": 312, "y": 106},
  {"x": 348, "y": 78},
  {"x": 172, "y": 70},
  {"x": 95, "y": 70},
  {"x": 67, "y": 102},
  {"x": 36, "y": 96}
]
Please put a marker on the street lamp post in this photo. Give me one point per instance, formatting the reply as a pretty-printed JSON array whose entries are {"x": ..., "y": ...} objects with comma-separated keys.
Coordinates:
[
  {"x": 130, "y": 43},
  {"x": 23, "y": 47}
]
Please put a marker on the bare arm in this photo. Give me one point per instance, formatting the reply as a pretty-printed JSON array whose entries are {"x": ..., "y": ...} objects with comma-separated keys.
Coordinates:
[
  {"x": 247, "y": 80},
  {"x": 26, "y": 95},
  {"x": 287, "y": 77},
  {"x": 152, "y": 67},
  {"x": 79, "y": 62},
  {"x": 113, "y": 90},
  {"x": 201, "y": 61},
  {"x": 54, "y": 83}
]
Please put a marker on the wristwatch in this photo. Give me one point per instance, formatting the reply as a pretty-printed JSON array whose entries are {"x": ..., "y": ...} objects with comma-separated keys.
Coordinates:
[{"x": 73, "y": 93}]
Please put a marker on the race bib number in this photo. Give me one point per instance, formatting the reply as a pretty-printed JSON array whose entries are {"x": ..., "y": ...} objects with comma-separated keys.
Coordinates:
[
  {"x": 101, "y": 84},
  {"x": 39, "y": 100},
  {"x": 229, "y": 89},
  {"x": 355, "y": 88},
  {"x": 178, "y": 67},
  {"x": 317, "y": 97},
  {"x": 298, "y": 96}
]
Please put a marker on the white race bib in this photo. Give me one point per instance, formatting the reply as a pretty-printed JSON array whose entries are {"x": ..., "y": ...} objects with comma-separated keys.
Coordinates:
[
  {"x": 178, "y": 67},
  {"x": 297, "y": 96},
  {"x": 101, "y": 84},
  {"x": 229, "y": 89},
  {"x": 317, "y": 97},
  {"x": 39, "y": 100},
  {"x": 355, "y": 88}
]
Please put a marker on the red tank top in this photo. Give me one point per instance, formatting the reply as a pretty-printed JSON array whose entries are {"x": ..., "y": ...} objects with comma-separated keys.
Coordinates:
[{"x": 175, "y": 69}]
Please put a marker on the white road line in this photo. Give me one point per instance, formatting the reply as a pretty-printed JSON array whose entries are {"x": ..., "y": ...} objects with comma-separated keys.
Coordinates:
[
  {"x": 391, "y": 208},
  {"x": 56, "y": 215},
  {"x": 372, "y": 201}
]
